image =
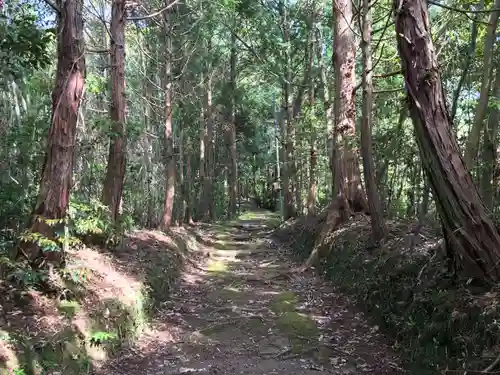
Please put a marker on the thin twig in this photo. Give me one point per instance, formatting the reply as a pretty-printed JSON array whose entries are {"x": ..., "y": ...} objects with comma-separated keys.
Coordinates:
[{"x": 154, "y": 14}]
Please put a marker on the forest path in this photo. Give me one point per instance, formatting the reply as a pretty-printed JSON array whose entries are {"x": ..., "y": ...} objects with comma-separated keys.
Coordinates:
[{"x": 241, "y": 311}]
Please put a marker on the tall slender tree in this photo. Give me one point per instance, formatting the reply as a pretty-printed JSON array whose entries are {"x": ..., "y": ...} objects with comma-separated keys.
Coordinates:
[
  {"x": 377, "y": 221},
  {"x": 170, "y": 169},
  {"x": 115, "y": 172},
  {"x": 233, "y": 159}
]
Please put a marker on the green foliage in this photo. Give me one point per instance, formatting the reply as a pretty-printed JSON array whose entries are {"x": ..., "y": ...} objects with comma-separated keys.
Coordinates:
[
  {"x": 23, "y": 45},
  {"x": 92, "y": 220},
  {"x": 99, "y": 338},
  {"x": 28, "y": 277}
]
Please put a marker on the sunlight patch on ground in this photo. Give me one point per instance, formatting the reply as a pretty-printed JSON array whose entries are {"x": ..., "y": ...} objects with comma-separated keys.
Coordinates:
[
  {"x": 8, "y": 357},
  {"x": 217, "y": 266}
]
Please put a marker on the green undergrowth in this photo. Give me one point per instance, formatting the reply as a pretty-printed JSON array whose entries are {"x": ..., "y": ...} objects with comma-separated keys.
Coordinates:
[
  {"x": 435, "y": 323},
  {"x": 67, "y": 320}
]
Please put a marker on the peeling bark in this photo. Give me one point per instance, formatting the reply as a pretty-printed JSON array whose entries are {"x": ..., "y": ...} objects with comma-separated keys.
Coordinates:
[
  {"x": 471, "y": 238},
  {"x": 347, "y": 177},
  {"x": 57, "y": 171}
]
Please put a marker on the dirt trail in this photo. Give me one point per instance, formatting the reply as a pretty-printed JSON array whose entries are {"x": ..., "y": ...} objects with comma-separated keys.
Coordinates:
[{"x": 241, "y": 312}]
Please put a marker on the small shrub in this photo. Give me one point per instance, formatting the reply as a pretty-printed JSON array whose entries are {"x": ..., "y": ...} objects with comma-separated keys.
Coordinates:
[{"x": 92, "y": 222}]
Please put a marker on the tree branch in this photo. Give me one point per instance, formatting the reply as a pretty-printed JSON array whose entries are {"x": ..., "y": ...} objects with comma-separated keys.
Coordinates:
[
  {"x": 387, "y": 75},
  {"x": 154, "y": 14},
  {"x": 53, "y": 6},
  {"x": 463, "y": 11},
  {"x": 388, "y": 90}
]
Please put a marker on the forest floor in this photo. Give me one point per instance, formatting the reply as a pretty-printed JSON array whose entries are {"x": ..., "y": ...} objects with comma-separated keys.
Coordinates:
[
  {"x": 221, "y": 299},
  {"x": 239, "y": 310}
]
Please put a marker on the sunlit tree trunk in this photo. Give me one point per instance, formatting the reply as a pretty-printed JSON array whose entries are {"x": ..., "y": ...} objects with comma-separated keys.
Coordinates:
[
  {"x": 168, "y": 203},
  {"x": 347, "y": 178},
  {"x": 115, "y": 172},
  {"x": 472, "y": 240},
  {"x": 472, "y": 146},
  {"x": 56, "y": 177},
  {"x": 377, "y": 221}
]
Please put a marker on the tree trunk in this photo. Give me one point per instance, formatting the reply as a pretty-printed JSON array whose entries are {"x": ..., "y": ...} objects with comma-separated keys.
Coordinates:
[
  {"x": 207, "y": 202},
  {"x": 472, "y": 146},
  {"x": 233, "y": 160},
  {"x": 115, "y": 172},
  {"x": 168, "y": 204},
  {"x": 189, "y": 190},
  {"x": 346, "y": 161},
  {"x": 490, "y": 146},
  {"x": 182, "y": 181},
  {"x": 471, "y": 52},
  {"x": 470, "y": 235},
  {"x": 288, "y": 172},
  {"x": 313, "y": 157},
  {"x": 327, "y": 103},
  {"x": 56, "y": 177},
  {"x": 377, "y": 221},
  {"x": 201, "y": 156}
]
